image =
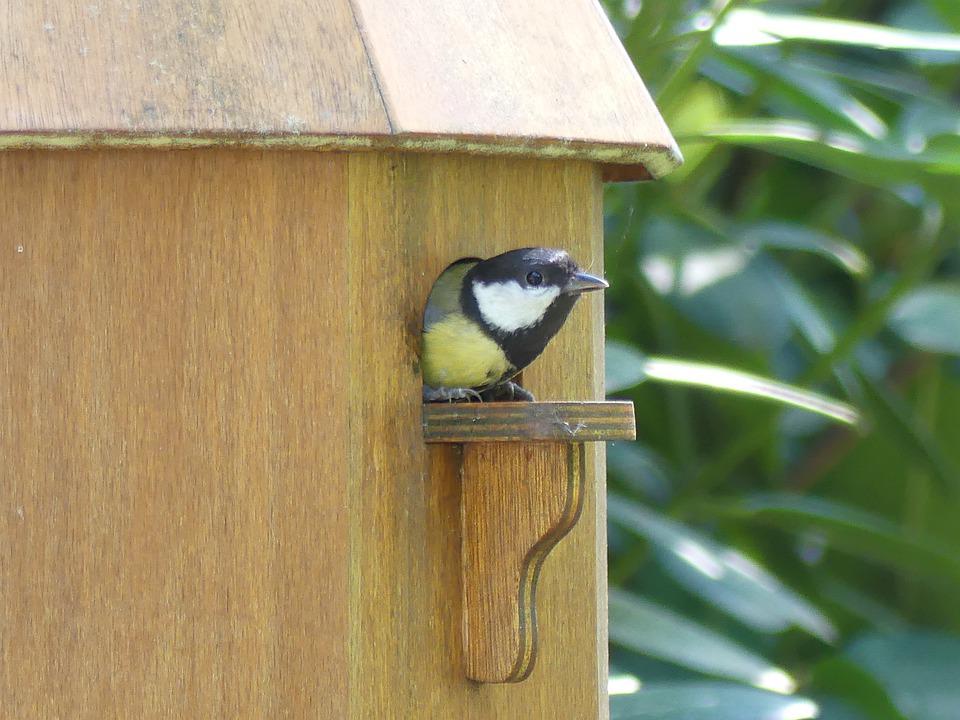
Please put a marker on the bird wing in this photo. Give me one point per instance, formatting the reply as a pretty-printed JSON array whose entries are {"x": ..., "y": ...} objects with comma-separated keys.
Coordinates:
[{"x": 445, "y": 296}]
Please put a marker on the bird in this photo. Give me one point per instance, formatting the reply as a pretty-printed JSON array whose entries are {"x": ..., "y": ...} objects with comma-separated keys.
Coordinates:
[{"x": 486, "y": 320}]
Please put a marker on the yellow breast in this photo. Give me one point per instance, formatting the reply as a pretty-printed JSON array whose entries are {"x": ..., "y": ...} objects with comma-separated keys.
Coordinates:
[{"x": 457, "y": 353}]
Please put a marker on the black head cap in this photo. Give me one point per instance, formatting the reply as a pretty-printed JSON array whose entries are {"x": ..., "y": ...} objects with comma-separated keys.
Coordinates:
[{"x": 529, "y": 268}]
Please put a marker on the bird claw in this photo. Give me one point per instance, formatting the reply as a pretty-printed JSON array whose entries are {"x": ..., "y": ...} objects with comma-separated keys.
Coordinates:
[
  {"x": 444, "y": 394},
  {"x": 508, "y": 391}
]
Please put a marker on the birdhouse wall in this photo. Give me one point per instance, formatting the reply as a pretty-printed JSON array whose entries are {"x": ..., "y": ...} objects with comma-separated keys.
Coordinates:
[{"x": 215, "y": 499}]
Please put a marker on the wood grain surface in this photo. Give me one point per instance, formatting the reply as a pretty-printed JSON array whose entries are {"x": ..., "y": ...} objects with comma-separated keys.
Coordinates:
[
  {"x": 191, "y": 66},
  {"x": 420, "y": 214},
  {"x": 173, "y": 517},
  {"x": 215, "y": 498},
  {"x": 528, "y": 421},
  {"x": 542, "y": 78},
  {"x": 517, "y": 502}
]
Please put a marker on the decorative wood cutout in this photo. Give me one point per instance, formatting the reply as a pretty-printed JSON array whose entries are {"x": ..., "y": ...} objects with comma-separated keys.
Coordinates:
[{"x": 523, "y": 475}]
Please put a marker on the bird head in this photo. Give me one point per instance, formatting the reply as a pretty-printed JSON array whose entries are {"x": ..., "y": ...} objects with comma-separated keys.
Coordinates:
[{"x": 523, "y": 297}]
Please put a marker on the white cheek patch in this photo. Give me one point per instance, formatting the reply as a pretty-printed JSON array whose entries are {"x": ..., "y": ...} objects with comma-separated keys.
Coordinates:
[{"x": 509, "y": 307}]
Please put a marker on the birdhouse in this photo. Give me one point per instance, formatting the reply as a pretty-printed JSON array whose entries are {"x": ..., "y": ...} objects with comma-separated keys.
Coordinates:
[{"x": 221, "y": 494}]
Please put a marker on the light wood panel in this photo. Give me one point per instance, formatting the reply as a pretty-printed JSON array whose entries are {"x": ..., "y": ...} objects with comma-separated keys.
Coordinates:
[
  {"x": 173, "y": 470},
  {"x": 542, "y": 78},
  {"x": 417, "y": 214},
  {"x": 536, "y": 69},
  {"x": 186, "y": 67}
]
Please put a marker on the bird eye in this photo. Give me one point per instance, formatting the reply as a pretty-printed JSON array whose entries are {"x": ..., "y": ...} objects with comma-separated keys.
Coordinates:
[{"x": 534, "y": 278}]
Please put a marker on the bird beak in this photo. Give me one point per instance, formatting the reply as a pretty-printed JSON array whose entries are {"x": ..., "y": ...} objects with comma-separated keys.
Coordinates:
[{"x": 582, "y": 282}]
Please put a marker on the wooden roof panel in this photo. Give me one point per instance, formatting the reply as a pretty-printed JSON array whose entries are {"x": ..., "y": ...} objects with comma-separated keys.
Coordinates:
[
  {"x": 187, "y": 66},
  {"x": 539, "y": 77}
]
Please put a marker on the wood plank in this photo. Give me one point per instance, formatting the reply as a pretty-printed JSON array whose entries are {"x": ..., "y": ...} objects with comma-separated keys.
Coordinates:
[
  {"x": 196, "y": 66},
  {"x": 536, "y": 69},
  {"x": 410, "y": 216},
  {"x": 173, "y": 525},
  {"x": 518, "y": 501},
  {"x": 527, "y": 421}
]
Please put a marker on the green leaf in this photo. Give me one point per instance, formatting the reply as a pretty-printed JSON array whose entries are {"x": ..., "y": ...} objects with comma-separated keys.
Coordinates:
[
  {"x": 854, "y": 156},
  {"x": 744, "y": 27},
  {"x": 862, "y": 603},
  {"x": 641, "y": 469},
  {"x": 899, "y": 423},
  {"x": 624, "y": 366},
  {"x": 709, "y": 701},
  {"x": 886, "y": 80},
  {"x": 920, "y": 671},
  {"x": 842, "y": 678},
  {"x": 850, "y": 529},
  {"x": 721, "y": 575},
  {"x": 929, "y": 318},
  {"x": 818, "y": 95},
  {"x": 949, "y": 11},
  {"x": 792, "y": 236},
  {"x": 644, "y": 627},
  {"x": 804, "y": 313}
]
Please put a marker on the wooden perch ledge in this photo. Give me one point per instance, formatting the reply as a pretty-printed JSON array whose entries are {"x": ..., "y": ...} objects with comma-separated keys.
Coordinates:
[
  {"x": 522, "y": 475},
  {"x": 528, "y": 421}
]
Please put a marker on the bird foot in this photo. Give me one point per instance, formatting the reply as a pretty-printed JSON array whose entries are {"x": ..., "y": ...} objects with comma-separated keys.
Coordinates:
[
  {"x": 444, "y": 394},
  {"x": 508, "y": 391}
]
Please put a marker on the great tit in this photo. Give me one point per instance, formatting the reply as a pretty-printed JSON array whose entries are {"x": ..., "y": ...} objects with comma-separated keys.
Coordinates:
[{"x": 486, "y": 320}]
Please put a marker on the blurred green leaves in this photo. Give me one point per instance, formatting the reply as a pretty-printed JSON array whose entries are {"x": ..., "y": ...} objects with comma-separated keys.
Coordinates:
[
  {"x": 722, "y": 575},
  {"x": 807, "y": 255},
  {"x": 645, "y": 627},
  {"x": 849, "y": 529},
  {"x": 757, "y": 27},
  {"x": 709, "y": 701}
]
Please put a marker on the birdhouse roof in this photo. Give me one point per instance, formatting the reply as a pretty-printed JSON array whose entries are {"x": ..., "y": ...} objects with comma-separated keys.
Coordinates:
[{"x": 540, "y": 78}]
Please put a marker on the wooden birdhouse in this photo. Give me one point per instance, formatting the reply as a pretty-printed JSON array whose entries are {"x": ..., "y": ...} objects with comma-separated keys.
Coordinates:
[{"x": 221, "y": 495}]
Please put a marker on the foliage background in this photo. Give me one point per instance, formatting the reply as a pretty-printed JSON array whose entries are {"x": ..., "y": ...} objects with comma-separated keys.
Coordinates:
[{"x": 768, "y": 562}]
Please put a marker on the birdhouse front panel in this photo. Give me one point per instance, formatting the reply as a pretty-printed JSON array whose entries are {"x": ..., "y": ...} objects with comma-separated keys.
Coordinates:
[{"x": 217, "y": 498}]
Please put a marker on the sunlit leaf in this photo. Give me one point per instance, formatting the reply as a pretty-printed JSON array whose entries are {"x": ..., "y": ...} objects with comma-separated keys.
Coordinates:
[
  {"x": 626, "y": 367},
  {"x": 929, "y": 318},
  {"x": 715, "y": 377},
  {"x": 650, "y": 629},
  {"x": 918, "y": 16},
  {"x": 919, "y": 670},
  {"x": 721, "y": 575},
  {"x": 709, "y": 701},
  {"x": 750, "y": 26}
]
